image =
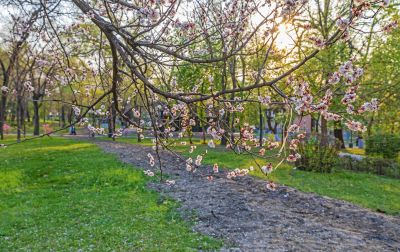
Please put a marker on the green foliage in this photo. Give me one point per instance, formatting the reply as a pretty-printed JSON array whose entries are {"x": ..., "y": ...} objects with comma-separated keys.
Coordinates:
[
  {"x": 66, "y": 195},
  {"x": 382, "y": 80},
  {"x": 316, "y": 157},
  {"x": 375, "y": 165},
  {"x": 386, "y": 145}
]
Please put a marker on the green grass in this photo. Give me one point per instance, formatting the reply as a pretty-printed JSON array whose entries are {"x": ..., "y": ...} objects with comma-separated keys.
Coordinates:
[
  {"x": 367, "y": 190},
  {"x": 65, "y": 195}
]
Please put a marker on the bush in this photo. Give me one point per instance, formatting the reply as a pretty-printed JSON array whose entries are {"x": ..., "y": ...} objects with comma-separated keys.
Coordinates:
[
  {"x": 315, "y": 157},
  {"x": 385, "y": 145},
  {"x": 375, "y": 165}
]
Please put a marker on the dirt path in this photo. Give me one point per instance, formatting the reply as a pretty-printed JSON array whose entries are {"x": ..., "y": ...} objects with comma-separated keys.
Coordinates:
[{"x": 251, "y": 218}]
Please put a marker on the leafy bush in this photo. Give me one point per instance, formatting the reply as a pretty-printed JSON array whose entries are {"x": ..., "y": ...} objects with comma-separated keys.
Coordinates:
[
  {"x": 315, "y": 157},
  {"x": 375, "y": 165},
  {"x": 385, "y": 145}
]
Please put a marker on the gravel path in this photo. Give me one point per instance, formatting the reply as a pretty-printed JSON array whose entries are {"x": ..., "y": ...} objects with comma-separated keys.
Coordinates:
[
  {"x": 250, "y": 218},
  {"x": 352, "y": 156}
]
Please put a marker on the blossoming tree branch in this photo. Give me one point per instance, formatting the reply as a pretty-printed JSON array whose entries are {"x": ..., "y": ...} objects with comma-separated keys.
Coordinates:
[{"x": 165, "y": 67}]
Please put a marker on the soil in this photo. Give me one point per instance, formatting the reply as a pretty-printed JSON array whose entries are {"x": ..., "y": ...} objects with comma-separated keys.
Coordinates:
[{"x": 249, "y": 217}]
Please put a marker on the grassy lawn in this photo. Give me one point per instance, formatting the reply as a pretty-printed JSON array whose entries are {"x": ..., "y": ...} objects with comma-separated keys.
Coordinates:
[
  {"x": 64, "y": 195},
  {"x": 367, "y": 190}
]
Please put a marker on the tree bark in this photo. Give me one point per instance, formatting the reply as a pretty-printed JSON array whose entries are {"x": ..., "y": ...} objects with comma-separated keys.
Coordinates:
[
  {"x": 224, "y": 138},
  {"x": 338, "y": 133},
  {"x": 27, "y": 114},
  {"x": 261, "y": 124},
  {"x": 2, "y": 114},
  {"x": 19, "y": 118},
  {"x": 138, "y": 122},
  {"x": 36, "y": 119},
  {"x": 111, "y": 121},
  {"x": 324, "y": 132}
]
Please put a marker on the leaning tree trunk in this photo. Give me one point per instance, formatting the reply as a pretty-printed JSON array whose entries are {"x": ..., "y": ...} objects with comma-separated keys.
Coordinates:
[{"x": 36, "y": 119}]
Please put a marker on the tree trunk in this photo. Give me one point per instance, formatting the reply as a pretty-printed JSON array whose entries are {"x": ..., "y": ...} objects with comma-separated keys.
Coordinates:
[
  {"x": 70, "y": 115},
  {"x": 44, "y": 114},
  {"x": 338, "y": 133},
  {"x": 36, "y": 119},
  {"x": 324, "y": 132},
  {"x": 111, "y": 121},
  {"x": 339, "y": 136},
  {"x": 27, "y": 114},
  {"x": 261, "y": 124},
  {"x": 224, "y": 138},
  {"x": 138, "y": 123},
  {"x": 269, "y": 118},
  {"x": 19, "y": 117},
  {"x": 2, "y": 114}
]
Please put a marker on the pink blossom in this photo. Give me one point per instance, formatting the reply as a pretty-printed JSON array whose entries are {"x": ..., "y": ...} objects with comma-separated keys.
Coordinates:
[
  {"x": 5, "y": 89},
  {"x": 215, "y": 168},
  {"x": 271, "y": 186},
  {"x": 198, "y": 160},
  {"x": 356, "y": 126},
  {"x": 342, "y": 23},
  {"x": 170, "y": 182},
  {"x": 265, "y": 100},
  {"x": 294, "y": 128},
  {"x": 267, "y": 168},
  {"x": 149, "y": 173},
  {"x": 293, "y": 157}
]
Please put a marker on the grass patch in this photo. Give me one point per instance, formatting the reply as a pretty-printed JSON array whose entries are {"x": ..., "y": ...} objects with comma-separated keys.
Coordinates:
[
  {"x": 64, "y": 195},
  {"x": 367, "y": 190}
]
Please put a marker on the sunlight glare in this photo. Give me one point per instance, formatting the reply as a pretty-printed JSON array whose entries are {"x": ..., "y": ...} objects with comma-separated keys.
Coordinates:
[{"x": 283, "y": 40}]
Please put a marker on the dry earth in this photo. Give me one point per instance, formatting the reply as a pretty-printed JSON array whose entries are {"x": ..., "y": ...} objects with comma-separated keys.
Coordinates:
[{"x": 251, "y": 218}]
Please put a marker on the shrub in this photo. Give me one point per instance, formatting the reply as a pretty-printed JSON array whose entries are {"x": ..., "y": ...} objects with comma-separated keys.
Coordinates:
[
  {"x": 315, "y": 157},
  {"x": 375, "y": 165},
  {"x": 385, "y": 145}
]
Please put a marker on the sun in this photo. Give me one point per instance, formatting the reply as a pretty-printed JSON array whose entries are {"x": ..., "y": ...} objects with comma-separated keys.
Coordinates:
[{"x": 284, "y": 39}]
